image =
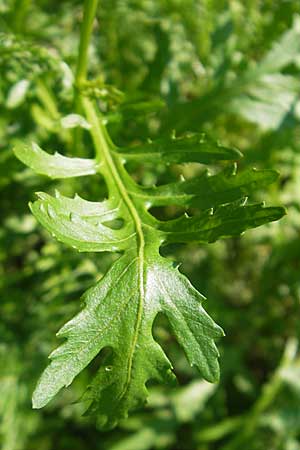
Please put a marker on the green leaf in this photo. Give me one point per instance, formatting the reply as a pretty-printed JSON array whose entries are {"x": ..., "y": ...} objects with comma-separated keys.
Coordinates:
[
  {"x": 54, "y": 166},
  {"x": 268, "y": 100},
  {"x": 120, "y": 309},
  {"x": 264, "y": 92},
  {"x": 226, "y": 186},
  {"x": 66, "y": 220},
  {"x": 227, "y": 220},
  {"x": 284, "y": 51},
  {"x": 196, "y": 147},
  {"x": 269, "y": 96},
  {"x": 119, "y": 314}
]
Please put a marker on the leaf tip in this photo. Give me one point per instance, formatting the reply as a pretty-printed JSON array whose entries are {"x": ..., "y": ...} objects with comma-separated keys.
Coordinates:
[
  {"x": 38, "y": 400},
  {"x": 281, "y": 212}
]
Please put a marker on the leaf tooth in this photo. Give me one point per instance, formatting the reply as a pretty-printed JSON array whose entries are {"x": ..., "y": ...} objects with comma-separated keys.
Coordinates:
[
  {"x": 66, "y": 328},
  {"x": 56, "y": 352},
  {"x": 148, "y": 204},
  {"x": 42, "y": 195},
  {"x": 51, "y": 212},
  {"x": 35, "y": 147},
  {"x": 57, "y": 194},
  {"x": 231, "y": 170}
]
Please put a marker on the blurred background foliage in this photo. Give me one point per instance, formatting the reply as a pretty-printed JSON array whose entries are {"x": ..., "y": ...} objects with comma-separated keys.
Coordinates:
[{"x": 227, "y": 67}]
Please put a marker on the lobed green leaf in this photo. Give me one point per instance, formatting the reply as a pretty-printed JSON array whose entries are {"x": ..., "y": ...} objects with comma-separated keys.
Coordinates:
[
  {"x": 196, "y": 147},
  {"x": 109, "y": 320},
  {"x": 62, "y": 218},
  {"x": 54, "y": 166},
  {"x": 120, "y": 310},
  {"x": 224, "y": 187},
  {"x": 226, "y": 221}
]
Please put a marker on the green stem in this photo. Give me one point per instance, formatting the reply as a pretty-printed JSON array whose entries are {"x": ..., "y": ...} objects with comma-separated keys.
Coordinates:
[
  {"x": 89, "y": 12},
  {"x": 103, "y": 150},
  {"x": 20, "y": 11}
]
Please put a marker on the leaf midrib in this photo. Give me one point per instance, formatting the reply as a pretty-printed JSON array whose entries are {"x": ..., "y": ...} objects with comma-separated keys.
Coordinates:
[{"x": 103, "y": 152}]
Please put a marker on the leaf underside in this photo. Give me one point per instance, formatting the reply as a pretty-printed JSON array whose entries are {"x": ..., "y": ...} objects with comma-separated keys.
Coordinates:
[{"x": 120, "y": 309}]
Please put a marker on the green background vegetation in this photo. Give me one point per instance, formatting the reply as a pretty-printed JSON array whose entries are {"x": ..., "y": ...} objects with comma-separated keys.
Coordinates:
[{"x": 229, "y": 68}]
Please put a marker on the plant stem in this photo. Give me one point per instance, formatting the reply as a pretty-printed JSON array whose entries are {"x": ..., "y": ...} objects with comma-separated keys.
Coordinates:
[
  {"x": 102, "y": 147},
  {"x": 103, "y": 151},
  {"x": 89, "y": 12},
  {"x": 20, "y": 7}
]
